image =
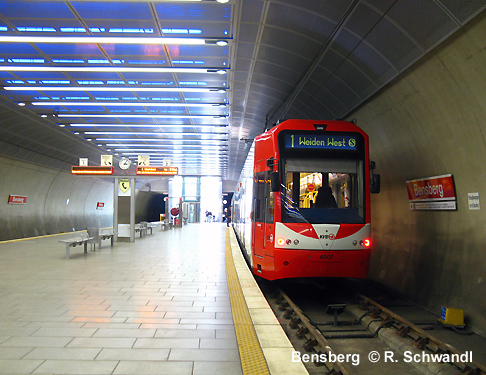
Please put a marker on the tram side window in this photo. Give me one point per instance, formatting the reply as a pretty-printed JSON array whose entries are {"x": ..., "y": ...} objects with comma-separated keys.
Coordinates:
[
  {"x": 263, "y": 209},
  {"x": 258, "y": 196}
]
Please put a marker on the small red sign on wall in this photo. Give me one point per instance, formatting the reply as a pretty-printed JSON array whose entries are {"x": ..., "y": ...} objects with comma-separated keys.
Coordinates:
[
  {"x": 17, "y": 199},
  {"x": 100, "y": 206}
]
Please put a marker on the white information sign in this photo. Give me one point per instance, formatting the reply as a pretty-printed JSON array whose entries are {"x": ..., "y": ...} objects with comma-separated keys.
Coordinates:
[
  {"x": 143, "y": 160},
  {"x": 166, "y": 162},
  {"x": 83, "y": 162},
  {"x": 445, "y": 205},
  {"x": 473, "y": 200},
  {"x": 106, "y": 160}
]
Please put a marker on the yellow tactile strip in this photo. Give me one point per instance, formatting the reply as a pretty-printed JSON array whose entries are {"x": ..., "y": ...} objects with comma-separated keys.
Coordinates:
[{"x": 251, "y": 354}]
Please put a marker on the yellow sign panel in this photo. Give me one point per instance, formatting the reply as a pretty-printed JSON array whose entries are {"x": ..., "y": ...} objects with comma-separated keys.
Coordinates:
[{"x": 124, "y": 184}]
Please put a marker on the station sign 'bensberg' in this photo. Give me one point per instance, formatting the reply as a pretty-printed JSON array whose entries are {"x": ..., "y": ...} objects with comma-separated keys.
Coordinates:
[{"x": 320, "y": 141}]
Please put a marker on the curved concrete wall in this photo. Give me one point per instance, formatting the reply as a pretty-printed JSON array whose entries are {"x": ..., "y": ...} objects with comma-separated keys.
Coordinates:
[
  {"x": 48, "y": 210},
  {"x": 432, "y": 121}
]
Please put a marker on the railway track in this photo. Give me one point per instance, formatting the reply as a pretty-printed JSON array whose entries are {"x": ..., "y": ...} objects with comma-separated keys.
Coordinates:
[{"x": 358, "y": 336}]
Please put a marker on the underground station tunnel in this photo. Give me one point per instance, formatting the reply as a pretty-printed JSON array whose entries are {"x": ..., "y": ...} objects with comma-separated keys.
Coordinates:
[{"x": 242, "y": 187}]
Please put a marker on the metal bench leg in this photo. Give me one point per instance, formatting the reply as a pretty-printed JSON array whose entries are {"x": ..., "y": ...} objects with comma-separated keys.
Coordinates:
[
  {"x": 85, "y": 247},
  {"x": 67, "y": 251},
  {"x": 112, "y": 239}
]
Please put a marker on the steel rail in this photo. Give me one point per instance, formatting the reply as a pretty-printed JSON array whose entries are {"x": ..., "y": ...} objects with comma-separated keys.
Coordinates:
[
  {"x": 314, "y": 337},
  {"x": 423, "y": 339}
]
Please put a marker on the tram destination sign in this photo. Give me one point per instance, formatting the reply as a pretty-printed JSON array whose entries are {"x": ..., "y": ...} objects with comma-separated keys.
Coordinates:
[{"x": 321, "y": 142}]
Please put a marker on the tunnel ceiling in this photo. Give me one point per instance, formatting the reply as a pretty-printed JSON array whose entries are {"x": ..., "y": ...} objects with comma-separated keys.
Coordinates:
[{"x": 190, "y": 81}]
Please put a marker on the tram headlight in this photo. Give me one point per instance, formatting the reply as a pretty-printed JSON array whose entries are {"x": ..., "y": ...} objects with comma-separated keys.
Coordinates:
[
  {"x": 280, "y": 241},
  {"x": 367, "y": 243}
]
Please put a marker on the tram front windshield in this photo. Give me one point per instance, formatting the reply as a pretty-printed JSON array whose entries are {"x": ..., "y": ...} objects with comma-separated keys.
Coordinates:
[{"x": 323, "y": 191}]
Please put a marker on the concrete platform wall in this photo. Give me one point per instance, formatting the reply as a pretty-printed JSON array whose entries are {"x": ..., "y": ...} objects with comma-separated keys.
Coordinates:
[
  {"x": 432, "y": 121},
  {"x": 56, "y": 201}
]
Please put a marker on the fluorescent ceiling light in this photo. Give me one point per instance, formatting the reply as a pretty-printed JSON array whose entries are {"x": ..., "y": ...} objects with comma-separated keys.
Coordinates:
[
  {"x": 113, "y": 89},
  {"x": 142, "y": 116},
  {"x": 110, "y": 40},
  {"x": 161, "y": 155},
  {"x": 218, "y": 141},
  {"x": 154, "y": 134},
  {"x": 181, "y": 147},
  {"x": 132, "y": 104},
  {"x": 110, "y": 69},
  {"x": 172, "y": 151},
  {"x": 146, "y": 126}
]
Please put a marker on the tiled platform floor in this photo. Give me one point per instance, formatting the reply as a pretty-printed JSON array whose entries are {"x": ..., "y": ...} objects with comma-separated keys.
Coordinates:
[{"x": 156, "y": 306}]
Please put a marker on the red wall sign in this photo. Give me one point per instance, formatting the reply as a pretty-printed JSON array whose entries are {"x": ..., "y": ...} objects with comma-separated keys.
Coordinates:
[
  {"x": 432, "y": 193},
  {"x": 100, "y": 206},
  {"x": 431, "y": 189},
  {"x": 17, "y": 199}
]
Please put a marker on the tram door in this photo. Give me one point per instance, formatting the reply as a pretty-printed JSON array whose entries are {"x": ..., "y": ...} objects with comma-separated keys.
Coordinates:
[
  {"x": 263, "y": 206},
  {"x": 258, "y": 211}
]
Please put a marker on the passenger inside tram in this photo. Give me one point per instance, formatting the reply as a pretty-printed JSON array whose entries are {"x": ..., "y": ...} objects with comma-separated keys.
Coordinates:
[{"x": 323, "y": 197}]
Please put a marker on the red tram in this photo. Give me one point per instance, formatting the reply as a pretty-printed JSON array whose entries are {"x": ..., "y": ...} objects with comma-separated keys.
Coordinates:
[{"x": 302, "y": 205}]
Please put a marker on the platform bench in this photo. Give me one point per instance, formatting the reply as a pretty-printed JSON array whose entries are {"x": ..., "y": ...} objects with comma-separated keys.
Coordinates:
[
  {"x": 80, "y": 239},
  {"x": 141, "y": 228},
  {"x": 106, "y": 234},
  {"x": 150, "y": 226}
]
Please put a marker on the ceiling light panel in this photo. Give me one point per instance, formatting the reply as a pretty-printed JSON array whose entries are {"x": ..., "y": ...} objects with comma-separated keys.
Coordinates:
[
  {"x": 113, "y": 69},
  {"x": 130, "y": 104},
  {"x": 116, "y": 40},
  {"x": 149, "y": 126},
  {"x": 151, "y": 70},
  {"x": 94, "y": 88}
]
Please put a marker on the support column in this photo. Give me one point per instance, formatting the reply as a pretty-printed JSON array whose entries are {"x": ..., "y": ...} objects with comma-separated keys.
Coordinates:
[
  {"x": 125, "y": 208},
  {"x": 132, "y": 209},
  {"x": 115, "y": 208}
]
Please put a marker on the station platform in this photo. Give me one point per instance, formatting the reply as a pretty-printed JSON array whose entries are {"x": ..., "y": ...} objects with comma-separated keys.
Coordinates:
[{"x": 180, "y": 301}]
